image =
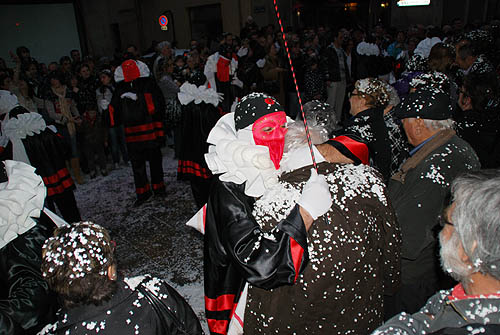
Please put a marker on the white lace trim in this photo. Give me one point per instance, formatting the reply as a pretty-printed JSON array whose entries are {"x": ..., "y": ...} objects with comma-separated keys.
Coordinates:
[{"x": 21, "y": 200}]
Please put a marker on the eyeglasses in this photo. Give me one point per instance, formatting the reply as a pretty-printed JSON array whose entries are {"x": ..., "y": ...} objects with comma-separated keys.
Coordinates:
[{"x": 443, "y": 221}]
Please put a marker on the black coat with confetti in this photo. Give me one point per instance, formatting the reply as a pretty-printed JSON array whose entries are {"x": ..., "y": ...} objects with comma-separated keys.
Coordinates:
[
  {"x": 354, "y": 258},
  {"x": 129, "y": 312}
]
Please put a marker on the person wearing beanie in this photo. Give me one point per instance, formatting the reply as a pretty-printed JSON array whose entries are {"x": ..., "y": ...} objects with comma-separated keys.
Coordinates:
[
  {"x": 139, "y": 106},
  {"x": 419, "y": 189},
  {"x": 245, "y": 155}
]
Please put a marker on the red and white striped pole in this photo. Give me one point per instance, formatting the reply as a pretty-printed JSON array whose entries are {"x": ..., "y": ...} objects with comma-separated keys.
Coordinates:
[{"x": 296, "y": 85}]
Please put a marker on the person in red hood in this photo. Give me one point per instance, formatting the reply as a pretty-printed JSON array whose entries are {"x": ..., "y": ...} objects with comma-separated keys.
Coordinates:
[{"x": 138, "y": 105}]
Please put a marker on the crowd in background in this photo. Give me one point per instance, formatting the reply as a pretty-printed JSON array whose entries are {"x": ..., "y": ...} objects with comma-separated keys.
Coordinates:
[{"x": 330, "y": 65}]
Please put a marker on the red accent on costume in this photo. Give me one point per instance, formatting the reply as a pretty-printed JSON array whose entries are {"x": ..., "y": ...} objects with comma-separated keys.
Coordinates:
[
  {"x": 190, "y": 167},
  {"x": 217, "y": 326},
  {"x": 269, "y": 101},
  {"x": 149, "y": 103},
  {"x": 273, "y": 139},
  {"x": 130, "y": 70},
  {"x": 458, "y": 293},
  {"x": 222, "y": 303},
  {"x": 158, "y": 186},
  {"x": 142, "y": 190},
  {"x": 359, "y": 149},
  {"x": 111, "y": 115},
  {"x": 297, "y": 253},
  {"x": 204, "y": 216},
  {"x": 223, "y": 69},
  {"x": 58, "y": 182}
]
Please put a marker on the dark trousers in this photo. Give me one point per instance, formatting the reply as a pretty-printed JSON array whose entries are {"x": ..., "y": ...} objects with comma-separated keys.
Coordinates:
[
  {"x": 138, "y": 160},
  {"x": 201, "y": 190},
  {"x": 66, "y": 203},
  {"x": 95, "y": 155}
]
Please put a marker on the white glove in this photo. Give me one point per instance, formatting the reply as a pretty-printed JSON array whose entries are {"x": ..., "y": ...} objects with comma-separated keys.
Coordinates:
[
  {"x": 104, "y": 104},
  {"x": 316, "y": 198}
]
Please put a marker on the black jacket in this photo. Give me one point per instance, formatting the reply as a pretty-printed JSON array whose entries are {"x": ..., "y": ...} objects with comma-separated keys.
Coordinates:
[
  {"x": 142, "y": 118},
  {"x": 26, "y": 303},
  {"x": 129, "y": 311},
  {"x": 331, "y": 65},
  {"x": 237, "y": 251}
]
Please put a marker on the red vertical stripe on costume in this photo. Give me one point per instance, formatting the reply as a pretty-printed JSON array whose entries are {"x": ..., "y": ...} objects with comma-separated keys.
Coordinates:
[
  {"x": 222, "y": 303},
  {"x": 223, "y": 69},
  {"x": 111, "y": 115},
  {"x": 218, "y": 326},
  {"x": 149, "y": 102},
  {"x": 297, "y": 253},
  {"x": 204, "y": 215}
]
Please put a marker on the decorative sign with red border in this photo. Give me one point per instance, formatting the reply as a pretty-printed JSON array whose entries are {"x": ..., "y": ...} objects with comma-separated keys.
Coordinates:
[{"x": 163, "y": 22}]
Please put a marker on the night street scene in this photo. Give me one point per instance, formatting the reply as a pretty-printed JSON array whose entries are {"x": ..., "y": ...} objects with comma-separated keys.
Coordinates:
[{"x": 250, "y": 167}]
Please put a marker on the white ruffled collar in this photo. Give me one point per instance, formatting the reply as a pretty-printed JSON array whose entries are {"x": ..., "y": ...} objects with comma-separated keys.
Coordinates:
[
  {"x": 190, "y": 92},
  {"x": 235, "y": 156},
  {"x": 18, "y": 128},
  {"x": 21, "y": 200}
]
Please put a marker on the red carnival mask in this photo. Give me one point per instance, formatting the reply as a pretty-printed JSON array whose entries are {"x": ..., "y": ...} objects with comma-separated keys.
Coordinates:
[{"x": 270, "y": 131}]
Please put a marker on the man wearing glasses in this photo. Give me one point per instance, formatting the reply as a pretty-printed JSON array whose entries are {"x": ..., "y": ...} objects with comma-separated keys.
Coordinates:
[
  {"x": 470, "y": 253},
  {"x": 419, "y": 189}
]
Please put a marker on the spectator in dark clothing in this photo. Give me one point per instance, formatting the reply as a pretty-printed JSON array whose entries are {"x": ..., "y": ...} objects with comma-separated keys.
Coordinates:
[
  {"x": 314, "y": 85},
  {"x": 478, "y": 119},
  {"x": 94, "y": 137}
]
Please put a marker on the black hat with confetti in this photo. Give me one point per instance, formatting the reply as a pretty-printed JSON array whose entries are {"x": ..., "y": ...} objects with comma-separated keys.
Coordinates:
[
  {"x": 425, "y": 104},
  {"x": 254, "y": 106}
]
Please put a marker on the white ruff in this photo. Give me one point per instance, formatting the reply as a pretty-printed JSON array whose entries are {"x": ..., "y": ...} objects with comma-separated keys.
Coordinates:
[
  {"x": 235, "y": 156},
  {"x": 18, "y": 128},
  {"x": 21, "y": 200},
  {"x": 189, "y": 93}
]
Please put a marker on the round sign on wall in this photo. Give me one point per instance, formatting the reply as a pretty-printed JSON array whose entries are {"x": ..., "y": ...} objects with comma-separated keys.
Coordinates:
[{"x": 163, "y": 22}]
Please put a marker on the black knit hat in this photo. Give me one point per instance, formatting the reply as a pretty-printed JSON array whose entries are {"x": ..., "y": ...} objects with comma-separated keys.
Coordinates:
[
  {"x": 432, "y": 104},
  {"x": 254, "y": 106}
]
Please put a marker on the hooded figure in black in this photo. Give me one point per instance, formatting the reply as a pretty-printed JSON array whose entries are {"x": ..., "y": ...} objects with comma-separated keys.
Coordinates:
[
  {"x": 31, "y": 141},
  {"x": 200, "y": 113},
  {"x": 139, "y": 105}
]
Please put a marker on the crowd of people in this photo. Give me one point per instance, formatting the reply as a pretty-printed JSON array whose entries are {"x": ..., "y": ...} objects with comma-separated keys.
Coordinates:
[{"x": 333, "y": 236}]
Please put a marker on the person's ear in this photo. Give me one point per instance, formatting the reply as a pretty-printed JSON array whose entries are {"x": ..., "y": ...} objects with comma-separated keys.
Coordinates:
[{"x": 112, "y": 272}]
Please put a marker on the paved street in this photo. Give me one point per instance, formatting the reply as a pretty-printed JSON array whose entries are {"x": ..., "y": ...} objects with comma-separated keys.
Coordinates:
[{"x": 152, "y": 238}]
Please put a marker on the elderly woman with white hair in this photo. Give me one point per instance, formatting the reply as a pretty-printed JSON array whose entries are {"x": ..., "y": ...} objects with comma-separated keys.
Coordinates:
[
  {"x": 470, "y": 252},
  {"x": 367, "y": 132}
]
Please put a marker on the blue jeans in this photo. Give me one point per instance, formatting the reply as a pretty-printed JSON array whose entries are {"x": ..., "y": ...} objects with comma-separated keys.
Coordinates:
[{"x": 117, "y": 143}]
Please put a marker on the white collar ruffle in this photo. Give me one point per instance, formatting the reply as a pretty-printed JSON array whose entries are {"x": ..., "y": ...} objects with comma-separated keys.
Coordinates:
[
  {"x": 190, "y": 92},
  {"x": 18, "y": 128},
  {"x": 235, "y": 156},
  {"x": 21, "y": 200}
]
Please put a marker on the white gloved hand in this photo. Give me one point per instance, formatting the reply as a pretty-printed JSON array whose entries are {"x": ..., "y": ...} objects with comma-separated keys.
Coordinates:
[
  {"x": 316, "y": 198},
  {"x": 104, "y": 104}
]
